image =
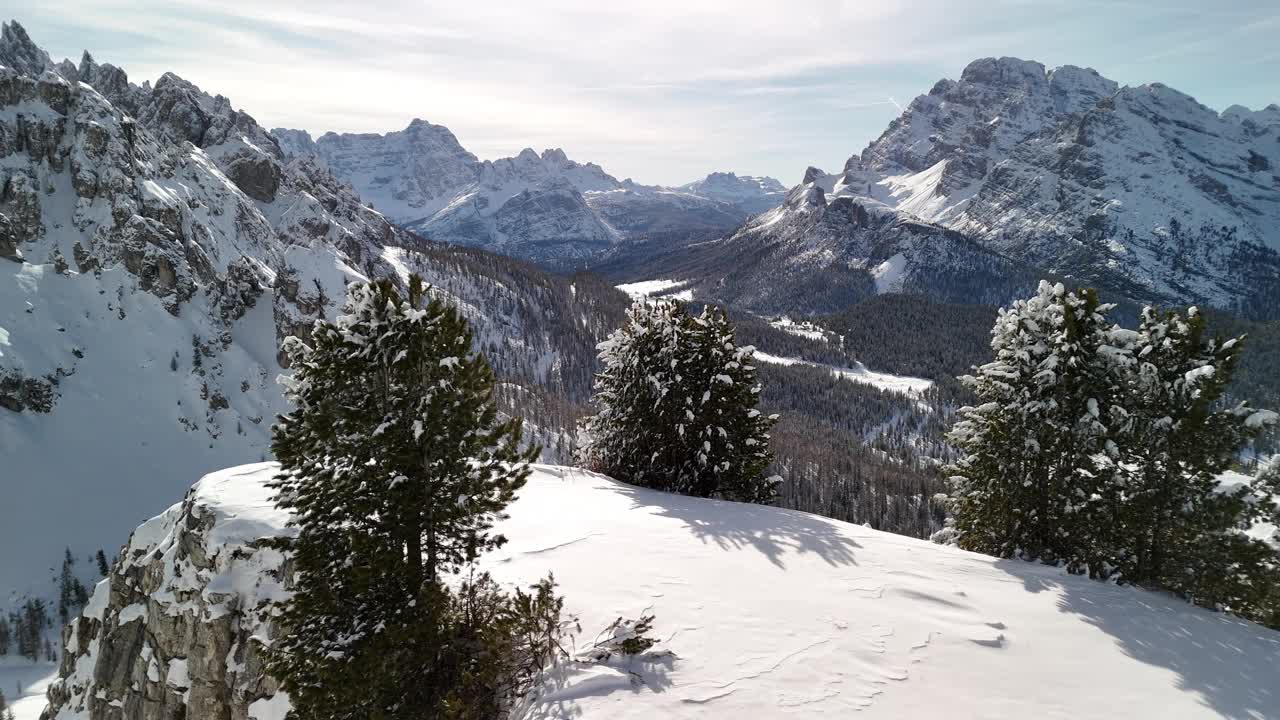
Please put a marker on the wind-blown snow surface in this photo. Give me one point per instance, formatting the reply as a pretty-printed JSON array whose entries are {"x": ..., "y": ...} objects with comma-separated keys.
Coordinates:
[{"x": 775, "y": 613}]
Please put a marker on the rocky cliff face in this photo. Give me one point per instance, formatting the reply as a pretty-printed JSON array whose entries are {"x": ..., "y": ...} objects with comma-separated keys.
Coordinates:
[
  {"x": 407, "y": 175},
  {"x": 180, "y": 626}
]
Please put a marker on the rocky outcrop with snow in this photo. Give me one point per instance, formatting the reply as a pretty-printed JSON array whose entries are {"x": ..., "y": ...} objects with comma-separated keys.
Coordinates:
[
  {"x": 179, "y": 627},
  {"x": 407, "y": 175},
  {"x": 155, "y": 247},
  {"x": 768, "y": 613}
]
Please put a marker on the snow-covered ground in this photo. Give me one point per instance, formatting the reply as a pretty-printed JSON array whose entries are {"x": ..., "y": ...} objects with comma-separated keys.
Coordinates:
[
  {"x": 859, "y": 374},
  {"x": 657, "y": 289},
  {"x": 774, "y": 613},
  {"x": 24, "y": 684},
  {"x": 801, "y": 328}
]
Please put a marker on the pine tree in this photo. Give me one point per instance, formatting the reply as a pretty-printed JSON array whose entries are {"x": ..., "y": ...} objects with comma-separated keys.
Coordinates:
[
  {"x": 396, "y": 467},
  {"x": 29, "y": 628},
  {"x": 677, "y": 407},
  {"x": 1169, "y": 524},
  {"x": 1028, "y": 476},
  {"x": 66, "y": 590},
  {"x": 103, "y": 567}
]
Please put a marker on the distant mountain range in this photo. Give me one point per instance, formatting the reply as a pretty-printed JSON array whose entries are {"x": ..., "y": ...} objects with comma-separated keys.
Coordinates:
[
  {"x": 544, "y": 207},
  {"x": 1012, "y": 172}
]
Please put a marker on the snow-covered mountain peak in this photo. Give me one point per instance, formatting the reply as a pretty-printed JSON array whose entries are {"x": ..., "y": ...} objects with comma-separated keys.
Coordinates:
[
  {"x": 1005, "y": 72},
  {"x": 17, "y": 51},
  {"x": 754, "y": 194}
]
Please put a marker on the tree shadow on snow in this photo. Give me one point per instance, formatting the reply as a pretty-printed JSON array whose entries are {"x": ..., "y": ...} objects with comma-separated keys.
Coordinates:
[
  {"x": 773, "y": 531},
  {"x": 563, "y": 686},
  {"x": 1233, "y": 665}
]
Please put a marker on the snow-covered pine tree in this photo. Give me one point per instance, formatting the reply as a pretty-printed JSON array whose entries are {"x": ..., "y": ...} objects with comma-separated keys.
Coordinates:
[
  {"x": 1169, "y": 524},
  {"x": 1027, "y": 479},
  {"x": 730, "y": 435},
  {"x": 396, "y": 466},
  {"x": 677, "y": 407}
]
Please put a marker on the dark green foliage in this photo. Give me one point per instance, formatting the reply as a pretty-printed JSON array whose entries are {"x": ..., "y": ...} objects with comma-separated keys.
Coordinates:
[
  {"x": 677, "y": 400},
  {"x": 1104, "y": 448},
  {"x": 396, "y": 467},
  {"x": 72, "y": 594},
  {"x": 1029, "y": 468},
  {"x": 6, "y": 636},
  {"x": 103, "y": 567},
  {"x": 29, "y": 624},
  {"x": 915, "y": 336},
  {"x": 1168, "y": 523}
]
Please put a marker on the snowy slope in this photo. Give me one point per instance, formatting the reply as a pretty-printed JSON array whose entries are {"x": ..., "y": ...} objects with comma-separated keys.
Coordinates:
[{"x": 769, "y": 613}]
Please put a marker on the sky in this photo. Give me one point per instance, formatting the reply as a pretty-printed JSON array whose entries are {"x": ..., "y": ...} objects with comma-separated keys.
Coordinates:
[{"x": 662, "y": 91}]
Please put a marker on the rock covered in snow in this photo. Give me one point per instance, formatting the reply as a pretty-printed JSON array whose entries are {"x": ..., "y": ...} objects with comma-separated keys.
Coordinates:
[{"x": 179, "y": 627}]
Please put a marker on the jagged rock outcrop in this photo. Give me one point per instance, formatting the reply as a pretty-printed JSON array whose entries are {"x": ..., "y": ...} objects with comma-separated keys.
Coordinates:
[
  {"x": 180, "y": 626},
  {"x": 1016, "y": 170}
]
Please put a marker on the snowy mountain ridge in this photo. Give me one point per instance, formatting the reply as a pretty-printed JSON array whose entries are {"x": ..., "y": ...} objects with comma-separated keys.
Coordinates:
[
  {"x": 544, "y": 206},
  {"x": 826, "y": 618}
]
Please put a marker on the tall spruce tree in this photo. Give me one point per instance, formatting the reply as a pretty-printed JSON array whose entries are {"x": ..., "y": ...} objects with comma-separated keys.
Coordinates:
[
  {"x": 5, "y": 636},
  {"x": 1169, "y": 523},
  {"x": 677, "y": 407},
  {"x": 1028, "y": 476},
  {"x": 396, "y": 466}
]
